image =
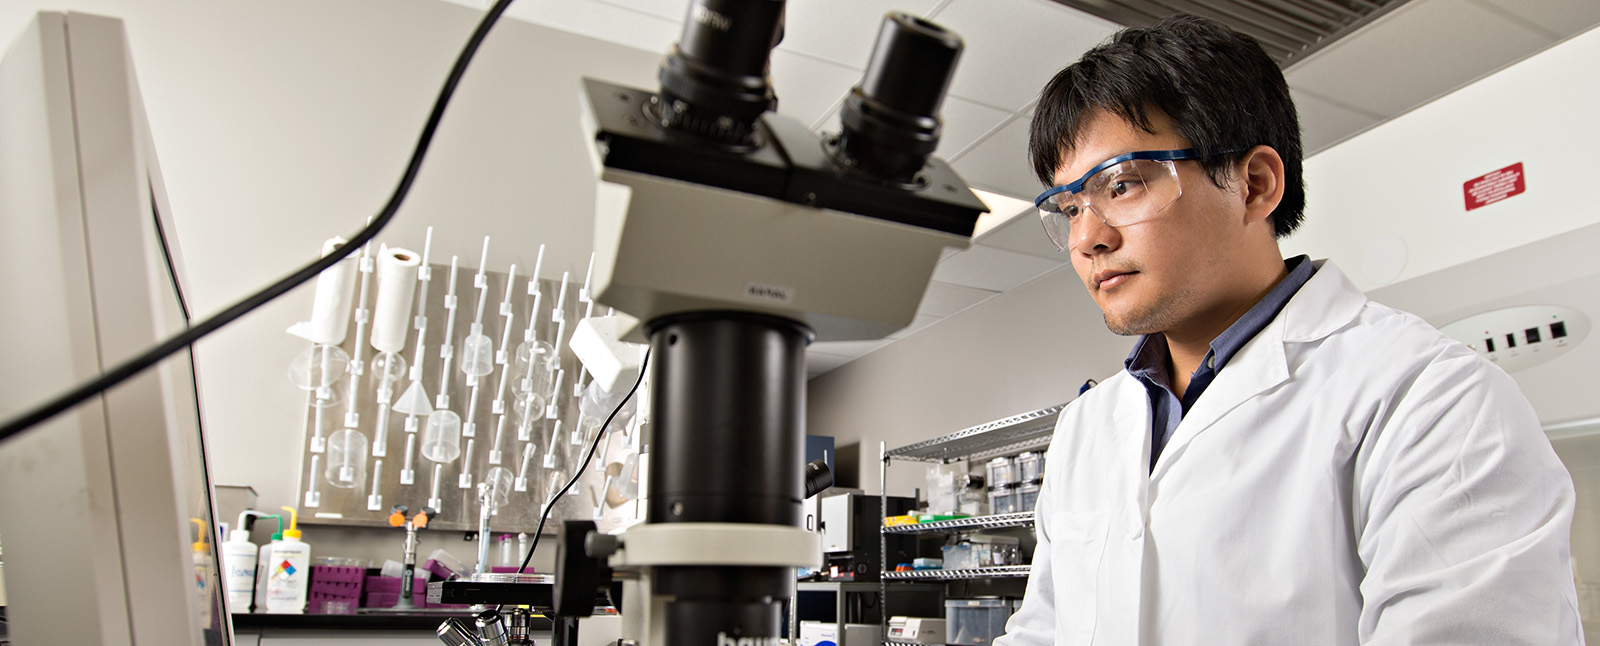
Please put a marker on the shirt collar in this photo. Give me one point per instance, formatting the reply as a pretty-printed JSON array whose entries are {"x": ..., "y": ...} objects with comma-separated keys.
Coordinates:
[{"x": 1148, "y": 360}]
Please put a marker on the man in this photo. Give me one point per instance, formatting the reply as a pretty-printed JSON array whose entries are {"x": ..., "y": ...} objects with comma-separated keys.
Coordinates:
[{"x": 1283, "y": 462}]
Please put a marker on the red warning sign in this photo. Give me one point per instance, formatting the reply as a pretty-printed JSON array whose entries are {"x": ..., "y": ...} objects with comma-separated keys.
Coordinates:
[{"x": 1496, "y": 186}]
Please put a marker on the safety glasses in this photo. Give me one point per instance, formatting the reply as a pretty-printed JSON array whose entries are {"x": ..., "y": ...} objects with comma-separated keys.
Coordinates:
[{"x": 1126, "y": 189}]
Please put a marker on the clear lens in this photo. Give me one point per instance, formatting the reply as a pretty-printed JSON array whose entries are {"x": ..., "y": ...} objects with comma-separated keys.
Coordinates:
[{"x": 1126, "y": 193}]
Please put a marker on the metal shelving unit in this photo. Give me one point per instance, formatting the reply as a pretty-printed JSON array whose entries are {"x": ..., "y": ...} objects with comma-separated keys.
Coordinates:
[
  {"x": 957, "y": 575},
  {"x": 1001, "y": 521},
  {"x": 1028, "y": 431}
]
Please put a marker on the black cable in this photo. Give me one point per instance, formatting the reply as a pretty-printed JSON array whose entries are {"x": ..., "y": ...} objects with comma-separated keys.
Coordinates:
[
  {"x": 194, "y": 333},
  {"x": 579, "y": 473}
]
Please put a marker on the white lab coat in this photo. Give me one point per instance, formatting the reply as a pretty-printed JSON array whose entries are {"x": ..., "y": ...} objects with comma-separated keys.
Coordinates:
[{"x": 1352, "y": 476}]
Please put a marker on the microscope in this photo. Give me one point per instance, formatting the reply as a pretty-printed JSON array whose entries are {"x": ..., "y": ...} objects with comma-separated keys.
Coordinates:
[{"x": 736, "y": 237}]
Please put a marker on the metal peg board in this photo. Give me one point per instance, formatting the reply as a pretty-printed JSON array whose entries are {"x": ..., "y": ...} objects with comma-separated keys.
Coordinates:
[{"x": 459, "y": 509}]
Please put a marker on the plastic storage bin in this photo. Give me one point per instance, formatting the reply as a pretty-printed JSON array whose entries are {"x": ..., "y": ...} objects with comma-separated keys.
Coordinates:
[
  {"x": 975, "y": 622},
  {"x": 1005, "y": 501},
  {"x": 1027, "y": 497}
]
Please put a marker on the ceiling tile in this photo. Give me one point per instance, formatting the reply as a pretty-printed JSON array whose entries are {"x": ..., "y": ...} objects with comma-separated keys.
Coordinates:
[
  {"x": 921, "y": 321},
  {"x": 1562, "y": 18},
  {"x": 809, "y": 88},
  {"x": 819, "y": 362},
  {"x": 599, "y": 20},
  {"x": 965, "y": 123},
  {"x": 991, "y": 268},
  {"x": 1324, "y": 123},
  {"x": 945, "y": 299},
  {"x": 1011, "y": 54},
  {"x": 1000, "y": 161},
  {"x": 1424, "y": 50},
  {"x": 673, "y": 10},
  {"x": 847, "y": 348},
  {"x": 842, "y": 31},
  {"x": 1023, "y": 234}
]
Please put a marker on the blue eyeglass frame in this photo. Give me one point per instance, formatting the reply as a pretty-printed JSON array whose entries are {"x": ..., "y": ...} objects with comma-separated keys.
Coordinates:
[{"x": 1150, "y": 155}]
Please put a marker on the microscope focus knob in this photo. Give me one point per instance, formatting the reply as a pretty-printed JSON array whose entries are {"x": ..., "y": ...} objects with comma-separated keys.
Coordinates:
[
  {"x": 579, "y": 577},
  {"x": 601, "y": 545}
]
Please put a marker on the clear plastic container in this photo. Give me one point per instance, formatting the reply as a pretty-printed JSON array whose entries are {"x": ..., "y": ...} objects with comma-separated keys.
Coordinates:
[
  {"x": 347, "y": 459},
  {"x": 1027, "y": 497},
  {"x": 1030, "y": 468},
  {"x": 959, "y": 557},
  {"x": 1002, "y": 472},
  {"x": 441, "y": 438},
  {"x": 1004, "y": 501},
  {"x": 975, "y": 622}
]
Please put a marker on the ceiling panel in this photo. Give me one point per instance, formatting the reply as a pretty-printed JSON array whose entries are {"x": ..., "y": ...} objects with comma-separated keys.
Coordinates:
[
  {"x": 921, "y": 321},
  {"x": 1415, "y": 54},
  {"x": 1324, "y": 123},
  {"x": 820, "y": 362},
  {"x": 809, "y": 88},
  {"x": 848, "y": 348},
  {"x": 1024, "y": 234},
  {"x": 842, "y": 31},
  {"x": 965, "y": 122},
  {"x": 991, "y": 268},
  {"x": 945, "y": 299},
  {"x": 608, "y": 22},
  {"x": 1562, "y": 18},
  {"x": 670, "y": 9},
  {"x": 1010, "y": 54},
  {"x": 1000, "y": 161}
]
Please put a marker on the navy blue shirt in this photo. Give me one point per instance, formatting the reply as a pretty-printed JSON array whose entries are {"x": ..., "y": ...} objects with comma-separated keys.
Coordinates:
[{"x": 1149, "y": 359}]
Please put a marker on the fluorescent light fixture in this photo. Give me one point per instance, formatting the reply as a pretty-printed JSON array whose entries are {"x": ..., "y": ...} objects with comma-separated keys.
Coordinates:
[{"x": 1002, "y": 208}]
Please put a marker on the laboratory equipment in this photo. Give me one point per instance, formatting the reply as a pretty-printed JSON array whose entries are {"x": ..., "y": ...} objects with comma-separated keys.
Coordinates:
[
  {"x": 239, "y": 564},
  {"x": 917, "y": 630},
  {"x": 441, "y": 438},
  {"x": 347, "y": 459},
  {"x": 813, "y": 240},
  {"x": 975, "y": 622},
  {"x": 414, "y": 401},
  {"x": 493, "y": 492},
  {"x": 477, "y": 349},
  {"x": 412, "y": 525},
  {"x": 204, "y": 562},
  {"x": 289, "y": 571},
  {"x": 264, "y": 556}
]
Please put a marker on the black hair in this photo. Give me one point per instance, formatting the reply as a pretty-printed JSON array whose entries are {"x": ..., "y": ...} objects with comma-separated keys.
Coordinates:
[{"x": 1221, "y": 90}]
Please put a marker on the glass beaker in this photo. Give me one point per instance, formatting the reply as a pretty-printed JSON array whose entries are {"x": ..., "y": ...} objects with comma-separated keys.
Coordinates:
[
  {"x": 441, "y": 438},
  {"x": 347, "y": 459}
]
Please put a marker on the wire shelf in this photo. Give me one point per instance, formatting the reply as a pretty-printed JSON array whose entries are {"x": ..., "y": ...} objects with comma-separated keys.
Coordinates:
[
  {"x": 957, "y": 575},
  {"x": 1000, "y": 521},
  {"x": 1016, "y": 433}
]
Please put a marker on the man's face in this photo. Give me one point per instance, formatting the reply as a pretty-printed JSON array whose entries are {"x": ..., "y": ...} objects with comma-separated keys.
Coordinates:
[{"x": 1166, "y": 273}]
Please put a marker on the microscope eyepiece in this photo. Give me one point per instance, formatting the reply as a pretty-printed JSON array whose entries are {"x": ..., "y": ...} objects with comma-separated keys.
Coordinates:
[
  {"x": 714, "y": 82},
  {"x": 890, "y": 121}
]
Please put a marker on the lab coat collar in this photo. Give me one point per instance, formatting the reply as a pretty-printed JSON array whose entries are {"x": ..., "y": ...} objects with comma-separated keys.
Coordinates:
[{"x": 1327, "y": 302}]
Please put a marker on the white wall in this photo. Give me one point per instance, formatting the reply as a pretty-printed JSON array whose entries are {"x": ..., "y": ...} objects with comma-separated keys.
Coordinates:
[
  {"x": 281, "y": 124},
  {"x": 1401, "y": 182}
]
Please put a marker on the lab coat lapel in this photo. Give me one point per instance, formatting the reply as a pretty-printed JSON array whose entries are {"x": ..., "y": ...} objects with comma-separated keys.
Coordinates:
[{"x": 1327, "y": 302}]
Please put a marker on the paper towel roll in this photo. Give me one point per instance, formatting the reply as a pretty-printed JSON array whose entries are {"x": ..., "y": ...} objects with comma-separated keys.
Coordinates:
[
  {"x": 397, "y": 282},
  {"x": 330, "y": 312}
]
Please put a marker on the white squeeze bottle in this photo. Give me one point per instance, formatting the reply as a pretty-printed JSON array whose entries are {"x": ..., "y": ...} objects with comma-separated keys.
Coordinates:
[
  {"x": 202, "y": 572},
  {"x": 239, "y": 557},
  {"x": 289, "y": 571},
  {"x": 265, "y": 556}
]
